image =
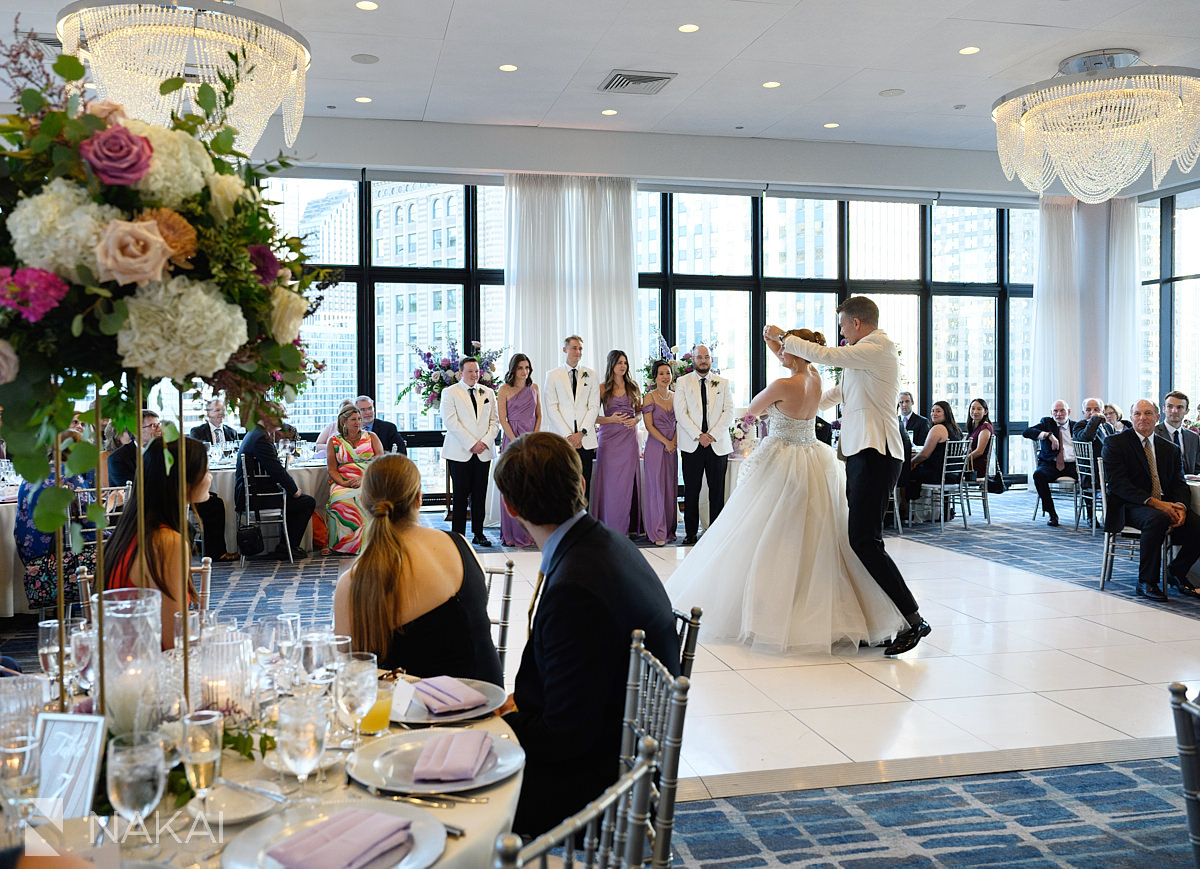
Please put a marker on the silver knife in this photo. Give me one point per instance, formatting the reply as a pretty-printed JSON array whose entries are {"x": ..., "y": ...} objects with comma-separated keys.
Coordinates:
[{"x": 251, "y": 789}]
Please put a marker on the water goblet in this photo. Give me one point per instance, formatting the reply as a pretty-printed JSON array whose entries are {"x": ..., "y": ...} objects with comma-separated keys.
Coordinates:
[
  {"x": 200, "y": 749},
  {"x": 48, "y": 645},
  {"x": 300, "y": 735},
  {"x": 83, "y": 665},
  {"x": 356, "y": 689},
  {"x": 314, "y": 657},
  {"x": 19, "y": 773},
  {"x": 137, "y": 775}
]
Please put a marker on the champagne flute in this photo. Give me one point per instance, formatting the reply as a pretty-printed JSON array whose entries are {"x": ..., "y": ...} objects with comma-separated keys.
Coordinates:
[
  {"x": 203, "y": 734},
  {"x": 300, "y": 736},
  {"x": 356, "y": 688},
  {"x": 82, "y": 665},
  {"x": 137, "y": 775},
  {"x": 19, "y": 775},
  {"x": 48, "y": 645}
]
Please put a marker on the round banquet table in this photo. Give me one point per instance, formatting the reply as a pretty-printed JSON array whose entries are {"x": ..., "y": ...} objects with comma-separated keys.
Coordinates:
[{"x": 312, "y": 478}]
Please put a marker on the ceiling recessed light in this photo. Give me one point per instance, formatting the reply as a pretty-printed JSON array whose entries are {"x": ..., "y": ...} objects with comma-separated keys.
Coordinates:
[
  {"x": 609, "y": 112},
  {"x": 832, "y": 126},
  {"x": 331, "y": 107},
  {"x": 507, "y": 67},
  {"x": 891, "y": 92},
  {"x": 960, "y": 107},
  {"x": 970, "y": 49},
  {"x": 367, "y": 5},
  {"x": 771, "y": 84},
  {"x": 362, "y": 99},
  {"x": 688, "y": 28},
  {"x": 364, "y": 58},
  {"x": 739, "y": 127}
]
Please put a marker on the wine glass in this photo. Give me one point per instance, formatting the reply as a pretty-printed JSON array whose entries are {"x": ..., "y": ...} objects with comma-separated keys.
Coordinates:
[
  {"x": 203, "y": 734},
  {"x": 82, "y": 664},
  {"x": 19, "y": 774},
  {"x": 300, "y": 734},
  {"x": 137, "y": 775},
  {"x": 356, "y": 687},
  {"x": 315, "y": 656},
  {"x": 48, "y": 645}
]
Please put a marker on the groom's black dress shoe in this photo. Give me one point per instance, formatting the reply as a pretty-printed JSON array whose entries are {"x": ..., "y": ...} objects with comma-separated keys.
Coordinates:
[
  {"x": 907, "y": 641},
  {"x": 689, "y": 541},
  {"x": 1150, "y": 590},
  {"x": 480, "y": 540}
]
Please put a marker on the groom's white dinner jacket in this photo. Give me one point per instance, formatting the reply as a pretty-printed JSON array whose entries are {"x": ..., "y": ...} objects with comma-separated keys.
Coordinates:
[
  {"x": 466, "y": 425},
  {"x": 867, "y": 393},
  {"x": 563, "y": 414},
  {"x": 689, "y": 413}
]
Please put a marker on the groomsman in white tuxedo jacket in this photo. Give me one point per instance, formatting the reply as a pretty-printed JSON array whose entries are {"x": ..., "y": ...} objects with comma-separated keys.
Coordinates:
[
  {"x": 703, "y": 412},
  {"x": 472, "y": 423},
  {"x": 571, "y": 403}
]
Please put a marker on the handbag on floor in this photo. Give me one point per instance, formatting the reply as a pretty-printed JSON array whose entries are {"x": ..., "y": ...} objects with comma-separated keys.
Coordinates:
[{"x": 250, "y": 540}]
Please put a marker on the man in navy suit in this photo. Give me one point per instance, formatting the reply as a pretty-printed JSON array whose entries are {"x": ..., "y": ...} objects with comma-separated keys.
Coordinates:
[
  {"x": 214, "y": 429},
  {"x": 261, "y": 456},
  {"x": 1146, "y": 489},
  {"x": 1055, "y": 454},
  {"x": 596, "y": 589},
  {"x": 388, "y": 436}
]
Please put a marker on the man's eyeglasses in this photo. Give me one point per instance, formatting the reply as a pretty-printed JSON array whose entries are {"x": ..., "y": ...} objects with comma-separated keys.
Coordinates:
[{"x": 152, "y": 425}]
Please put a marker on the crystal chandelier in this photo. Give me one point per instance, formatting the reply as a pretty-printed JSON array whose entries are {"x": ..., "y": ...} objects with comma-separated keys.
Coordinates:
[
  {"x": 1099, "y": 124},
  {"x": 131, "y": 48}
]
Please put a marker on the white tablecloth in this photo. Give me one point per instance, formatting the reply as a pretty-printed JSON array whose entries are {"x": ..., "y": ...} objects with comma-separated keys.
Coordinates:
[
  {"x": 312, "y": 480},
  {"x": 12, "y": 589}
]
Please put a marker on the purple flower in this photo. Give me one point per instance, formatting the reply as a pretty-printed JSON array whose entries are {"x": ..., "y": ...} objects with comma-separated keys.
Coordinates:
[
  {"x": 445, "y": 363},
  {"x": 117, "y": 156},
  {"x": 416, "y": 373},
  {"x": 266, "y": 266},
  {"x": 31, "y": 292}
]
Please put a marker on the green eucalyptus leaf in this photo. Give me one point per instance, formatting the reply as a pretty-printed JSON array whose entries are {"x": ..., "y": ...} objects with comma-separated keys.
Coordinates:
[
  {"x": 289, "y": 356},
  {"x": 83, "y": 458},
  {"x": 168, "y": 460},
  {"x": 98, "y": 291},
  {"x": 112, "y": 321},
  {"x": 53, "y": 123},
  {"x": 32, "y": 101},
  {"x": 86, "y": 276},
  {"x": 77, "y": 325},
  {"x": 170, "y": 85},
  {"x": 97, "y": 516},
  {"x": 75, "y": 535},
  {"x": 206, "y": 97},
  {"x": 92, "y": 122},
  {"x": 222, "y": 143},
  {"x": 170, "y": 433},
  {"x": 69, "y": 67},
  {"x": 50, "y": 513},
  {"x": 73, "y": 105},
  {"x": 293, "y": 377},
  {"x": 40, "y": 143}
]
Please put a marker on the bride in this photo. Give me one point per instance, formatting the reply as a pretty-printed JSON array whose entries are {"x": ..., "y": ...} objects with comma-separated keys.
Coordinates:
[{"x": 775, "y": 570}]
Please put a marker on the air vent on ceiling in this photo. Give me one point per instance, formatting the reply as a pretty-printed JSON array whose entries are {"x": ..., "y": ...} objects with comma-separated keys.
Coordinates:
[{"x": 631, "y": 81}]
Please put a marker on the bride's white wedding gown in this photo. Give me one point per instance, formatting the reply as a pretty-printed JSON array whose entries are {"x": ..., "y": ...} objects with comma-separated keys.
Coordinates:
[{"x": 776, "y": 570}]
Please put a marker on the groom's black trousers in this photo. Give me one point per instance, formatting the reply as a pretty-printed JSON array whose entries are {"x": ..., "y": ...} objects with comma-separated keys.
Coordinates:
[
  {"x": 698, "y": 465},
  {"x": 870, "y": 479}
]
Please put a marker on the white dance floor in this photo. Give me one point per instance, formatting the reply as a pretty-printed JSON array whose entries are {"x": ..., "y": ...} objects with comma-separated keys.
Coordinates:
[{"x": 1021, "y": 671}]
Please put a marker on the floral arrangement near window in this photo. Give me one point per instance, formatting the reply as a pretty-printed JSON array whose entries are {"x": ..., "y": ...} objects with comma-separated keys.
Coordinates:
[
  {"x": 439, "y": 370},
  {"x": 131, "y": 249},
  {"x": 680, "y": 364}
]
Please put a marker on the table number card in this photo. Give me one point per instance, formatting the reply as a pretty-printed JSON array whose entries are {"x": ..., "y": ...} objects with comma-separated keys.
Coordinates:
[{"x": 71, "y": 747}]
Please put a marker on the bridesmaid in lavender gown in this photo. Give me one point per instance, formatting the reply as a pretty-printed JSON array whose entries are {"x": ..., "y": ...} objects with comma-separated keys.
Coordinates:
[
  {"x": 615, "y": 486},
  {"x": 520, "y": 410},
  {"x": 660, "y": 503}
]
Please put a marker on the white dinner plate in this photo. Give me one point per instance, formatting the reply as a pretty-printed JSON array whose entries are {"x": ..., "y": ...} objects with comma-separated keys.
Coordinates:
[
  {"x": 388, "y": 764},
  {"x": 272, "y": 761},
  {"x": 416, "y": 713},
  {"x": 248, "y": 849},
  {"x": 235, "y": 806}
]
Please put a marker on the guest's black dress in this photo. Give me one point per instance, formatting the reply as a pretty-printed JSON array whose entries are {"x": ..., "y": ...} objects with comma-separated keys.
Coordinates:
[
  {"x": 929, "y": 471},
  {"x": 453, "y": 639}
]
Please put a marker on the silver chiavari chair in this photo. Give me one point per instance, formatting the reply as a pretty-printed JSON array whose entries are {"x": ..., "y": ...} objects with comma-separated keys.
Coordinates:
[
  {"x": 613, "y": 826},
  {"x": 1089, "y": 497},
  {"x": 977, "y": 489},
  {"x": 260, "y": 507},
  {"x": 954, "y": 463},
  {"x": 1126, "y": 541},
  {"x": 655, "y": 706},
  {"x": 204, "y": 573},
  {"x": 689, "y": 632},
  {"x": 505, "y": 606},
  {"x": 1187, "y": 727}
]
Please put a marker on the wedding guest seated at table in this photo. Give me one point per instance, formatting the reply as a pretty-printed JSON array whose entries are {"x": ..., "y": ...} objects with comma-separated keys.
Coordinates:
[
  {"x": 388, "y": 435},
  {"x": 415, "y": 596},
  {"x": 1093, "y": 428},
  {"x": 596, "y": 589},
  {"x": 1146, "y": 489},
  {"x": 1113, "y": 417},
  {"x": 927, "y": 465},
  {"x": 214, "y": 430},
  {"x": 159, "y": 500},
  {"x": 331, "y": 429},
  {"x": 350, "y": 451},
  {"x": 1055, "y": 454},
  {"x": 262, "y": 457},
  {"x": 979, "y": 432}
]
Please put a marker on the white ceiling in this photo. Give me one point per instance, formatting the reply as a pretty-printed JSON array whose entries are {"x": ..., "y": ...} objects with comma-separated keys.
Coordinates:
[{"x": 439, "y": 59}]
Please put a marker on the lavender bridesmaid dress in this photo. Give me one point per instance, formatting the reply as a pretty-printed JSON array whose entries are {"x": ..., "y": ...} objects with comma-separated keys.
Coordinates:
[
  {"x": 522, "y": 415},
  {"x": 614, "y": 482},
  {"x": 660, "y": 505}
]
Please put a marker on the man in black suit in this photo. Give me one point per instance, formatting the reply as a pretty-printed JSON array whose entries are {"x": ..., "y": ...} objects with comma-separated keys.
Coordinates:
[
  {"x": 914, "y": 423},
  {"x": 388, "y": 436},
  {"x": 597, "y": 589},
  {"x": 1175, "y": 408},
  {"x": 214, "y": 430},
  {"x": 1055, "y": 455},
  {"x": 122, "y": 469},
  {"x": 261, "y": 456},
  {"x": 1146, "y": 489}
]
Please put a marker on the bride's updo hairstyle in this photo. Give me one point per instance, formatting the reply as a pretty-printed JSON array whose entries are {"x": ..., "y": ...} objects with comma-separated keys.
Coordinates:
[
  {"x": 391, "y": 491},
  {"x": 806, "y": 335}
]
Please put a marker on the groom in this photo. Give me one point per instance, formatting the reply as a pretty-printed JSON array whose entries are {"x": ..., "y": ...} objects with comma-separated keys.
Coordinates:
[{"x": 870, "y": 442}]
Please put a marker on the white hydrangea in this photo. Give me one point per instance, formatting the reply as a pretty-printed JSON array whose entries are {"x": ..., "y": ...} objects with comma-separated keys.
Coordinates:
[
  {"x": 179, "y": 168},
  {"x": 180, "y": 329},
  {"x": 58, "y": 228}
]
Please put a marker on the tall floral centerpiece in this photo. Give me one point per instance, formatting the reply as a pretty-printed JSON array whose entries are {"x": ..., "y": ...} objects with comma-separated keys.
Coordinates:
[
  {"x": 439, "y": 370},
  {"x": 680, "y": 364},
  {"x": 130, "y": 249}
]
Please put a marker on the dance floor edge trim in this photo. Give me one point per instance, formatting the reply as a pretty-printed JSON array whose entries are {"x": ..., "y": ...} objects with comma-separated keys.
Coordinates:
[{"x": 916, "y": 768}]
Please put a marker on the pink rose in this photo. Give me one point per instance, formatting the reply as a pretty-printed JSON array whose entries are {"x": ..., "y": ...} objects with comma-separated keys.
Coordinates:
[
  {"x": 132, "y": 253},
  {"x": 107, "y": 110},
  {"x": 117, "y": 156},
  {"x": 31, "y": 292}
]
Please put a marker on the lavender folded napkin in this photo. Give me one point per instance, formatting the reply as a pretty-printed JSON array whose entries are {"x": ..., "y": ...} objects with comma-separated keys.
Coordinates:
[
  {"x": 442, "y": 694},
  {"x": 453, "y": 756},
  {"x": 350, "y": 839}
]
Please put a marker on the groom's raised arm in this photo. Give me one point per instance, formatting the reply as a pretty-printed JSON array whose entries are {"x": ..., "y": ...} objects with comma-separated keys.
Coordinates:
[{"x": 860, "y": 355}]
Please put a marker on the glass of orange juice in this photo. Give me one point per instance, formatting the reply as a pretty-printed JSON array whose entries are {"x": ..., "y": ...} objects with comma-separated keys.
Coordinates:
[{"x": 378, "y": 718}]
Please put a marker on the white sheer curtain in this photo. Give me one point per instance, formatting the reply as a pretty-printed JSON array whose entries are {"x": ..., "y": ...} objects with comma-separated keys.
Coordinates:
[
  {"x": 1124, "y": 313},
  {"x": 571, "y": 267},
  {"x": 1056, "y": 309}
]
